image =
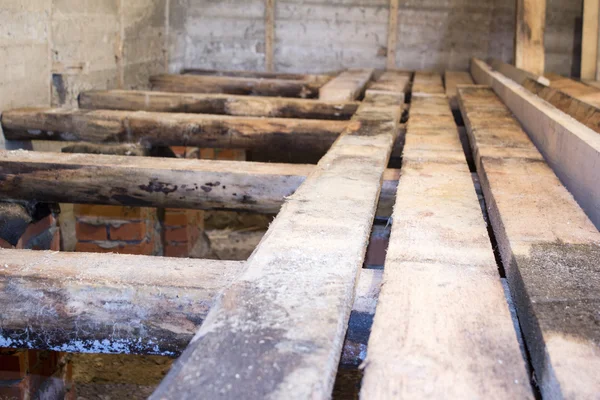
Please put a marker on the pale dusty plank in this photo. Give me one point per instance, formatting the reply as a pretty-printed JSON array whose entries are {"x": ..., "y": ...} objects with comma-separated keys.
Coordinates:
[
  {"x": 391, "y": 88},
  {"x": 428, "y": 83},
  {"x": 529, "y": 36},
  {"x": 452, "y": 79},
  {"x": 549, "y": 248},
  {"x": 392, "y": 35},
  {"x": 589, "y": 39},
  {"x": 516, "y": 74},
  {"x": 347, "y": 86},
  {"x": 269, "y": 35}
]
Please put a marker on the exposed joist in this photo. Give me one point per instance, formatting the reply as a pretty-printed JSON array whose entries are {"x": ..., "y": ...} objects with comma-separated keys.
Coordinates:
[
  {"x": 428, "y": 83},
  {"x": 549, "y": 248},
  {"x": 589, "y": 39},
  {"x": 516, "y": 74},
  {"x": 322, "y": 78},
  {"x": 158, "y": 182},
  {"x": 223, "y": 104},
  {"x": 581, "y": 91},
  {"x": 442, "y": 327},
  {"x": 391, "y": 87},
  {"x": 569, "y": 147},
  {"x": 451, "y": 80},
  {"x": 236, "y": 85},
  {"x": 529, "y": 36},
  {"x": 171, "y": 129},
  {"x": 133, "y": 304},
  {"x": 347, "y": 86},
  {"x": 277, "y": 332}
]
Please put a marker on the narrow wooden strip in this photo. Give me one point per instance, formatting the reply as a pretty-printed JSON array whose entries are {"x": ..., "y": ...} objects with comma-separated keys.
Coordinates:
[
  {"x": 451, "y": 80},
  {"x": 529, "y": 36},
  {"x": 235, "y": 85},
  {"x": 549, "y": 248},
  {"x": 259, "y": 74},
  {"x": 223, "y": 104},
  {"x": 133, "y": 304},
  {"x": 171, "y": 129},
  {"x": 277, "y": 332},
  {"x": 572, "y": 87},
  {"x": 158, "y": 182},
  {"x": 589, "y": 39},
  {"x": 516, "y": 74},
  {"x": 442, "y": 324},
  {"x": 569, "y": 147},
  {"x": 428, "y": 83},
  {"x": 391, "y": 88},
  {"x": 392, "y": 35},
  {"x": 347, "y": 86},
  {"x": 595, "y": 84},
  {"x": 269, "y": 34}
]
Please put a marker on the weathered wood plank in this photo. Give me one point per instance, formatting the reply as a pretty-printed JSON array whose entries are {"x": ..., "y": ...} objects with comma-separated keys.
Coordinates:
[
  {"x": 428, "y": 83},
  {"x": 593, "y": 83},
  {"x": 223, "y": 104},
  {"x": 321, "y": 78},
  {"x": 347, "y": 86},
  {"x": 516, "y": 74},
  {"x": 158, "y": 182},
  {"x": 442, "y": 327},
  {"x": 235, "y": 85},
  {"x": 133, "y": 304},
  {"x": 392, "y": 34},
  {"x": 277, "y": 332},
  {"x": 391, "y": 88},
  {"x": 589, "y": 39},
  {"x": 573, "y": 88},
  {"x": 171, "y": 129},
  {"x": 529, "y": 36},
  {"x": 451, "y": 80},
  {"x": 569, "y": 147},
  {"x": 549, "y": 248}
]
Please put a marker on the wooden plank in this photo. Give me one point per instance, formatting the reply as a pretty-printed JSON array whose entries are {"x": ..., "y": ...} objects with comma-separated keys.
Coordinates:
[
  {"x": 347, "y": 86},
  {"x": 392, "y": 35},
  {"x": 154, "y": 312},
  {"x": 569, "y": 147},
  {"x": 516, "y": 74},
  {"x": 595, "y": 84},
  {"x": 321, "y": 78},
  {"x": 269, "y": 34},
  {"x": 589, "y": 39},
  {"x": 442, "y": 324},
  {"x": 574, "y": 88},
  {"x": 428, "y": 83},
  {"x": 549, "y": 248},
  {"x": 235, "y": 85},
  {"x": 529, "y": 36},
  {"x": 451, "y": 80},
  {"x": 277, "y": 332},
  {"x": 221, "y": 104},
  {"x": 586, "y": 113},
  {"x": 391, "y": 87},
  {"x": 158, "y": 182},
  {"x": 171, "y": 129}
]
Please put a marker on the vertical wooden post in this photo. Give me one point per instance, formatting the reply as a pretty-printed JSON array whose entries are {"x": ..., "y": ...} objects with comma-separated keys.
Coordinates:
[
  {"x": 392, "y": 35},
  {"x": 529, "y": 37},
  {"x": 269, "y": 34},
  {"x": 589, "y": 40},
  {"x": 119, "y": 50},
  {"x": 167, "y": 37}
]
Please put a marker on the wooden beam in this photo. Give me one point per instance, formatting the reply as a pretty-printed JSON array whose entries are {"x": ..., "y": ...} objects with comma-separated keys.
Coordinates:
[
  {"x": 391, "y": 87},
  {"x": 269, "y": 34},
  {"x": 235, "y": 85},
  {"x": 277, "y": 332},
  {"x": 516, "y": 74},
  {"x": 392, "y": 35},
  {"x": 549, "y": 248},
  {"x": 573, "y": 88},
  {"x": 451, "y": 80},
  {"x": 529, "y": 37},
  {"x": 347, "y": 86},
  {"x": 221, "y": 104},
  {"x": 589, "y": 39},
  {"x": 569, "y": 147},
  {"x": 321, "y": 78},
  {"x": 158, "y": 182},
  {"x": 133, "y": 304},
  {"x": 428, "y": 83},
  {"x": 170, "y": 129},
  {"x": 442, "y": 325}
]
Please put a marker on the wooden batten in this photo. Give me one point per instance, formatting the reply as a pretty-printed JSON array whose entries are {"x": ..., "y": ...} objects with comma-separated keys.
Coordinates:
[
  {"x": 549, "y": 248},
  {"x": 391, "y": 88},
  {"x": 322, "y": 78},
  {"x": 222, "y": 104},
  {"x": 516, "y": 74},
  {"x": 347, "y": 86}
]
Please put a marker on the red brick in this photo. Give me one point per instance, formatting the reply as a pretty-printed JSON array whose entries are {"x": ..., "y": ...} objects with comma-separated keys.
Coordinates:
[
  {"x": 36, "y": 229},
  {"x": 207, "y": 154},
  {"x": 13, "y": 364},
  {"x": 177, "y": 250},
  {"x": 88, "y": 232},
  {"x": 129, "y": 231},
  {"x": 175, "y": 218},
  {"x": 179, "y": 151},
  {"x": 177, "y": 234},
  {"x": 109, "y": 212},
  {"x": 377, "y": 250},
  {"x": 142, "y": 248}
]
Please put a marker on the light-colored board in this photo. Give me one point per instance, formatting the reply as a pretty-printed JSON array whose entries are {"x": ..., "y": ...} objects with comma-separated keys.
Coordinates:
[
  {"x": 442, "y": 327},
  {"x": 570, "y": 148},
  {"x": 428, "y": 83},
  {"x": 593, "y": 83},
  {"x": 321, "y": 78},
  {"x": 347, "y": 86},
  {"x": 269, "y": 35},
  {"x": 392, "y": 33},
  {"x": 529, "y": 36},
  {"x": 277, "y": 332},
  {"x": 391, "y": 87},
  {"x": 576, "y": 89},
  {"x": 516, "y": 74},
  {"x": 549, "y": 248},
  {"x": 589, "y": 39},
  {"x": 451, "y": 80}
]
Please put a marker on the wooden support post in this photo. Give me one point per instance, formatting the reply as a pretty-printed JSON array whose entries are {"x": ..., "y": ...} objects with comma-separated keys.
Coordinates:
[
  {"x": 133, "y": 304},
  {"x": 392, "y": 35},
  {"x": 589, "y": 40},
  {"x": 442, "y": 325},
  {"x": 269, "y": 34},
  {"x": 549, "y": 248},
  {"x": 516, "y": 74},
  {"x": 158, "y": 182},
  {"x": 571, "y": 148},
  {"x": 529, "y": 37},
  {"x": 223, "y": 104},
  {"x": 277, "y": 332},
  {"x": 347, "y": 86}
]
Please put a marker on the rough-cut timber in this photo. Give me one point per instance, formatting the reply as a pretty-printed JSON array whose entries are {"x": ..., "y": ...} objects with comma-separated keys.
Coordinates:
[
  {"x": 171, "y": 129},
  {"x": 451, "y": 80},
  {"x": 130, "y": 304},
  {"x": 516, "y": 74},
  {"x": 347, "y": 86},
  {"x": 277, "y": 332},
  {"x": 529, "y": 36},
  {"x": 391, "y": 88},
  {"x": 236, "y": 85},
  {"x": 578, "y": 90},
  {"x": 569, "y": 147},
  {"x": 589, "y": 39},
  {"x": 549, "y": 248},
  {"x": 428, "y": 83},
  {"x": 392, "y": 32},
  {"x": 258, "y": 74},
  {"x": 586, "y": 113},
  {"x": 442, "y": 326},
  {"x": 158, "y": 182},
  {"x": 224, "y": 104}
]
